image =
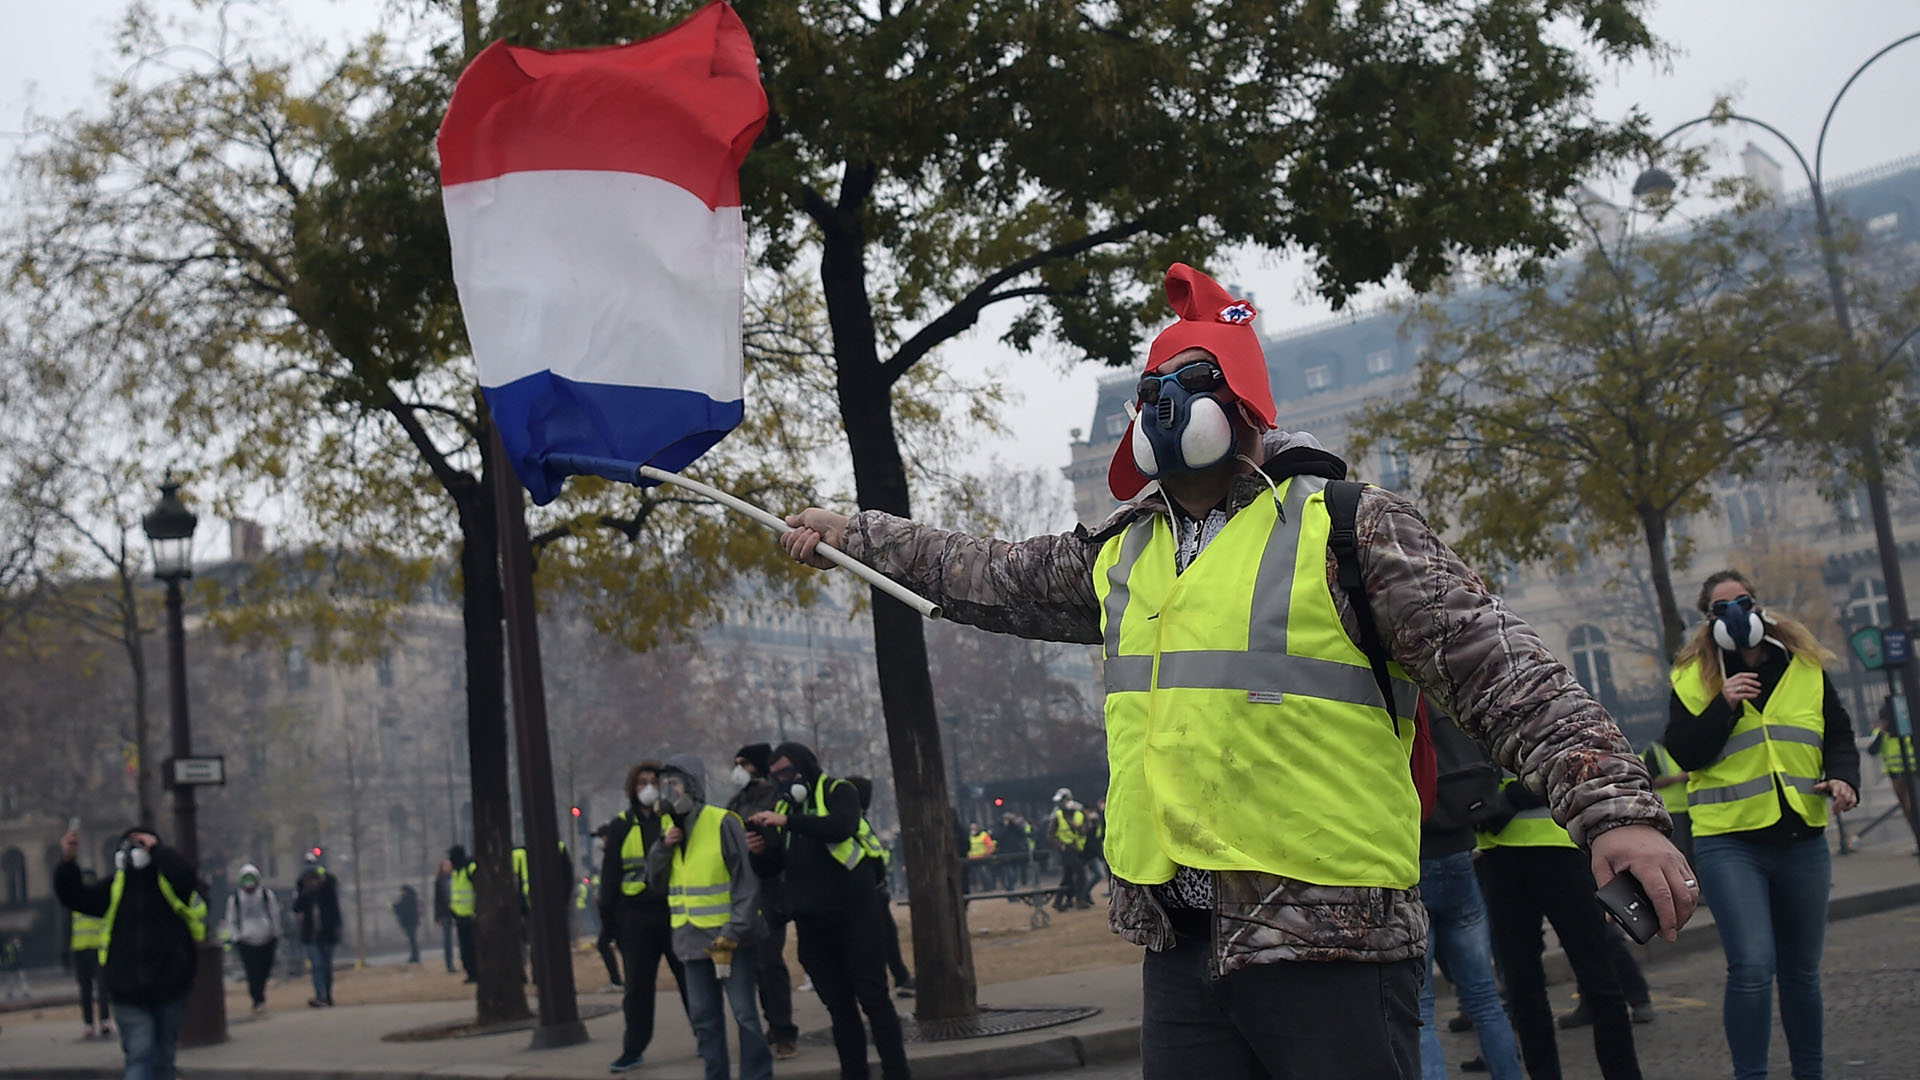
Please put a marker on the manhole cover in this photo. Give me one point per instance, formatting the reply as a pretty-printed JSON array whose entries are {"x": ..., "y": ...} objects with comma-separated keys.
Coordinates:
[
  {"x": 985, "y": 1022},
  {"x": 466, "y": 1029}
]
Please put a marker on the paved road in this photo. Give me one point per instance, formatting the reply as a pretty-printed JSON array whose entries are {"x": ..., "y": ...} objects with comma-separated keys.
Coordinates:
[{"x": 1872, "y": 990}]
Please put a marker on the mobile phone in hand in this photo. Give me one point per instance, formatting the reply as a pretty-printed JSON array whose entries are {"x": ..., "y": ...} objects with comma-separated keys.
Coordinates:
[
  {"x": 1630, "y": 906},
  {"x": 73, "y": 824}
]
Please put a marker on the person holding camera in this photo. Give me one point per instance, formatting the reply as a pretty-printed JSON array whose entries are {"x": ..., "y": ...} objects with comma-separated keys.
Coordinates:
[{"x": 1756, "y": 722}]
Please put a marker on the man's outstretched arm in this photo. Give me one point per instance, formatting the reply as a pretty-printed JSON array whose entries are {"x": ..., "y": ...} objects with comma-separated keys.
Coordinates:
[{"x": 1038, "y": 588}]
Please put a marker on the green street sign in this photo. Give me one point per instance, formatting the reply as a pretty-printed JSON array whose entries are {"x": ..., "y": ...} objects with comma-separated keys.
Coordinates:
[{"x": 1868, "y": 646}]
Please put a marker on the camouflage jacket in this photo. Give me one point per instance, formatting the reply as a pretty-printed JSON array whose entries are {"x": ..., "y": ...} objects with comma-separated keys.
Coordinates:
[{"x": 1458, "y": 641}]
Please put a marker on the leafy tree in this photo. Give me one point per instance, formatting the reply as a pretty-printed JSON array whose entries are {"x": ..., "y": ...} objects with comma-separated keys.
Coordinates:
[
  {"x": 932, "y": 161},
  {"x": 1609, "y": 393}
]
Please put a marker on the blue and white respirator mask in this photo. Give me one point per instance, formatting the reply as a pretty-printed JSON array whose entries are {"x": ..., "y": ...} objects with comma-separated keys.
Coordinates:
[
  {"x": 1736, "y": 625},
  {"x": 1183, "y": 426}
]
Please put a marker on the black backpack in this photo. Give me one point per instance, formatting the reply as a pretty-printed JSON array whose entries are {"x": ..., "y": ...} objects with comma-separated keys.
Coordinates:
[{"x": 1467, "y": 782}]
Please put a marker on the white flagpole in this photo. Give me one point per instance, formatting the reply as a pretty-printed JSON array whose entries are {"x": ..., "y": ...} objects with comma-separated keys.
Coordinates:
[{"x": 861, "y": 570}]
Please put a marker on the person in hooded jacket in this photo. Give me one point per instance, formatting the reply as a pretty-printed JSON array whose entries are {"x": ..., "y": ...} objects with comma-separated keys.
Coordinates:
[
  {"x": 84, "y": 940},
  {"x": 832, "y": 898},
  {"x": 154, "y": 918},
  {"x": 253, "y": 925},
  {"x": 318, "y": 908},
  {"x": 758, "y": 793},
  {"x": 701, "y": 863},
  {"x": 637, "y": 911}
]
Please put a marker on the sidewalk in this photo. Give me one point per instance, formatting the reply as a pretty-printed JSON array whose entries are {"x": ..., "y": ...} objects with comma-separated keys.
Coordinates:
[{"x": 308, "y": 1044}]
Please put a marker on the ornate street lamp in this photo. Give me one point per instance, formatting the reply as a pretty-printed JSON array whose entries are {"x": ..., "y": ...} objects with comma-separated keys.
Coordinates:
[{"x": 169, "y": 527}]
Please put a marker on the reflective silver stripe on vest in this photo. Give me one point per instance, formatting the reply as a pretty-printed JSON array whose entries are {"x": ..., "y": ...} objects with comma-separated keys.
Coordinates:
[
  {"x": 1273, "y": 582},
  {"x": 696, "y": 910},
  {"x": 1268, "y": 673},
  {"x": 1536, "y": 813},
  {"x": 1747, "y": 789},
  {"x": 700, "y": 890},
  {"x": 1747, "y": 740},
  {"x": 1125, "y": 672}
]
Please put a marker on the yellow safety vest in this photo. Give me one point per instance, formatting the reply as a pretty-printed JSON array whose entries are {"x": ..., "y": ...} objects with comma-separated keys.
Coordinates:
[
  {"x": 193, "y": 911},
  {"x": 700, "y": 891},
  {"x": 1674, "y": 795},
  {"x": 979, "y": 846},
  {"x": 520, "y": 869},
  {"x": 1528, "y": 828},
  {"x": 460, "y": 892},
  {"x": 1892, "y": 747},
  {"x": 863, "y": 844},
  {"x": 633, "y": 858},
  {"x": 588, "y": 886},
  {"x": 1776, "y": 748},
  {"x": 1067, "y": 830},
  {"x": 88, "y": 932},
  {"x": 1245, "y": 730}
]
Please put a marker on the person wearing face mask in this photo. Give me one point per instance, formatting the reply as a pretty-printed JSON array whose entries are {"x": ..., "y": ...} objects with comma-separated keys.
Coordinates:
[
  {"x": 636, "y": 912},
  {"x": 1756, "y": 722},
  {"x": 701, "y": 863},
  {"x": 317, "y": 905},
  {"x": 1264, "y": 627},
  {"x": 153, "y": 919},
  {"x": 758, "y": 792},
  {"x": 831, "y": 861},
  {"x": 253, "y": 925}
]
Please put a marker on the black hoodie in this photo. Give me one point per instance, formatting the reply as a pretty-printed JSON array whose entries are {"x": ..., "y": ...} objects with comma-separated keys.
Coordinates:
[
  {"x": 151, "y": 957},
  {"x": 816, "y": 887}
]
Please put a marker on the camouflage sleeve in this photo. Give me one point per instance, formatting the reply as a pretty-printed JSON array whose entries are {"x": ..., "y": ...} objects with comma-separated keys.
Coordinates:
[
  {"x": 1491, "y": 671},
  {"x": 1039, "y": 588}
]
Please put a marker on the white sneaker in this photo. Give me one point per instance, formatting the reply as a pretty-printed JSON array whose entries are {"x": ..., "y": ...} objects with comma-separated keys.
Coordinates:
[{"x": 806, "y": 987}]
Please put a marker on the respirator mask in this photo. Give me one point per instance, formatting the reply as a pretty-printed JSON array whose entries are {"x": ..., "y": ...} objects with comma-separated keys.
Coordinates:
[
  {"x": 791, "y": 777},
  {"x": 132, "y": 856},
  {"x": 741, "y": 776},
  {"x": 678, "y": 797},
  {"x": 648, "y": 796},
  {"x": 1183, "y": 426},
  {"x": 1736, "y": 625}
]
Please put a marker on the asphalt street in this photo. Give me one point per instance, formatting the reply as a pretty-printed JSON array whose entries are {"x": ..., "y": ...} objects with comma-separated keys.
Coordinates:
[{"x": 1871, "y": 987}]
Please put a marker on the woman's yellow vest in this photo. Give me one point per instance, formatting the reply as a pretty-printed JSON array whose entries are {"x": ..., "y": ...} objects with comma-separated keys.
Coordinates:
[
  {"x": 1776, "y": 748},
  {"x": 1245, "y": 730}
]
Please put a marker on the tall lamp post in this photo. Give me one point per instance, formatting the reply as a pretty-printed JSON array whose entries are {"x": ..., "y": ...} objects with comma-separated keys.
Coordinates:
[
  {"x": 1658, "y": 181},
  {"x": 169, "y": 527}
]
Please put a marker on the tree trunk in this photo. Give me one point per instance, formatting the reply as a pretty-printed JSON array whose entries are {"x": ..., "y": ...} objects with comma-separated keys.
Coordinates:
[
  {"x": 1673, "y": 631},
  {"x": 500, "y": 993},
  {"x": 942, "y": 950}
]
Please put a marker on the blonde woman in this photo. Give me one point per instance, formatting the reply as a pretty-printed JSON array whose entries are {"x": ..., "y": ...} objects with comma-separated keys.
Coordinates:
[{"x": 1755, "y": 720}]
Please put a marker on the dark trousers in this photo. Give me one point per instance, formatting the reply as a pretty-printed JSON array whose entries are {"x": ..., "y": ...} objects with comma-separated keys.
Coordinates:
[
  {"x": 1626, "y": 969},
  {"x": 446, "y": 943},
  {"x": 776, "y": 984},
  {"x": 86, "y": 970},
  {"x": 846, "y": 957},
  {"x": 463, "y": 927},
  {"x": 1291, "y": 1020},
  {"x": 1073, "y": 872},
  {"x": 1525, "y": 884},
  {"x": 257, "y": 961},
  {"x": 896, "y": 963},
  {"x": 645, "y": 937},
  {"x": 413, "y": 941}
]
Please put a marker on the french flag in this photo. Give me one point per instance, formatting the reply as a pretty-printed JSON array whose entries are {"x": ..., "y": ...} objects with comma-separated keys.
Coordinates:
[{"x": 593, "y": 204}]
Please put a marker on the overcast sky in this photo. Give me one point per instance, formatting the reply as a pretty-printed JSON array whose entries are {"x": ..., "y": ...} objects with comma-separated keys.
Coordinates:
[{"x": 1783, "y": 60}]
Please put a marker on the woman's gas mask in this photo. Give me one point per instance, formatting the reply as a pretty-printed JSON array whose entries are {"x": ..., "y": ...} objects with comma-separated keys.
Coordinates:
[
  {"x": 1736, "y": 625},
  {"x": 1183, "y": 426}
]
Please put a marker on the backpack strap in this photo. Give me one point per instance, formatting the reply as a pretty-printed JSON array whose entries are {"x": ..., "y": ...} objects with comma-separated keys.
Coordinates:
[{"x": 1343, "y": 506}]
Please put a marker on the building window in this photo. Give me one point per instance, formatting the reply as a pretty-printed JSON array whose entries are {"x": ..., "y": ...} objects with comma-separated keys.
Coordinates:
[
  {"x": 1319, "y": 377},
  {"x": 13, "y": 871},
  {"x": 383, "y": 668},
  {"x": 1881, "y": 224},
  {"x": 296, "y": 668},
  {"x": 396, "y": 828},
  {"x": 1379, "y": 363},
  {"x": 1116, "y": 423},
  {"x": 1591, "y": 664},
  {"x": 1852, "y": 510},
  {"x": 1867, "y": 604}
]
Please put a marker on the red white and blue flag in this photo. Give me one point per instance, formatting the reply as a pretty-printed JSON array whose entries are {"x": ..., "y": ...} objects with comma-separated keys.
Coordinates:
[{"x": 593, "y": 204}]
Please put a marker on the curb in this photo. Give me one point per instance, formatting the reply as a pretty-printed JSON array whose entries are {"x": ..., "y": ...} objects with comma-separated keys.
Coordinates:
[{"x": 1098, "y": 1045}]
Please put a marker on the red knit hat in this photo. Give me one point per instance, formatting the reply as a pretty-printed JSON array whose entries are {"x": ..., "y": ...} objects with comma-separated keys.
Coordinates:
[{"x": 1213, "y": 320}]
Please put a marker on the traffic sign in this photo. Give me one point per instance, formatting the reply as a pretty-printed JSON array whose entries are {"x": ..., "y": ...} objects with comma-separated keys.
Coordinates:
[
  {"x": 1868, "y": 646},
  {"x": 1897, "y": 645},
  {"x": 196, "y": 771}
]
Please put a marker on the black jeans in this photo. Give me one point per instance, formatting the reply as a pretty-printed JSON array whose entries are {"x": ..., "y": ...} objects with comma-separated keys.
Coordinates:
[
  {"x": 463, "y": 928},
  {"x": 846, "y": 957},
  {"x": 86, "y": 969},
  {"x": 1626, "y": 968},
  {"x": 776, "y": 984},
  {"x": 645, "y": 937},
  {"x": 1523, "y": 884},
  {"x": 413, "y": 941},
  {"x": 446, "y": 943},
  {"x": 257, "y": 961},
  {"x": 1291, "y": 1020},
  {"x": 1073, "y": 872},
  {"x": 896, "y": 963}
]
